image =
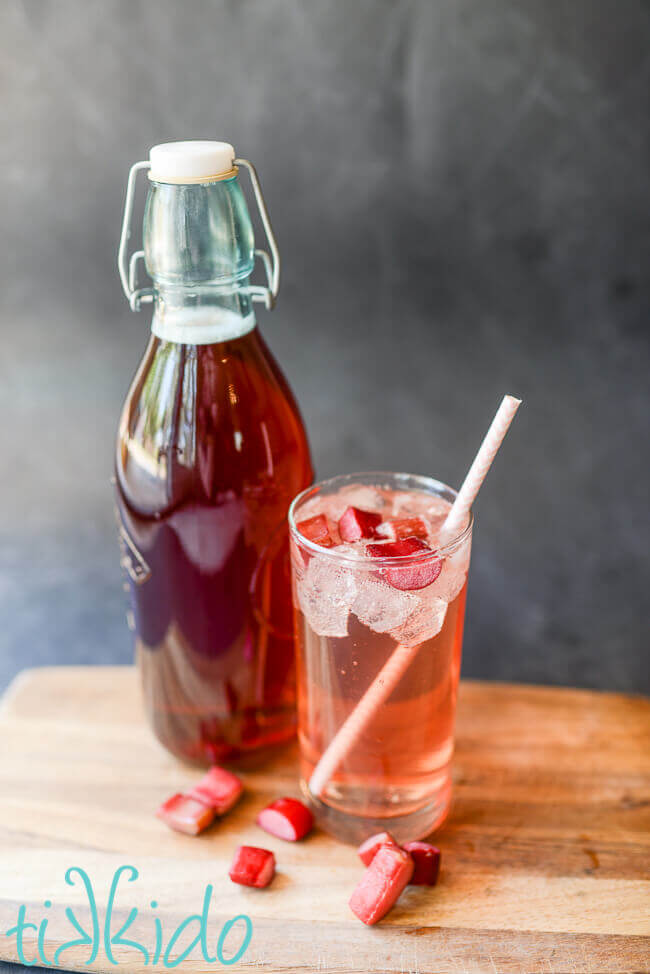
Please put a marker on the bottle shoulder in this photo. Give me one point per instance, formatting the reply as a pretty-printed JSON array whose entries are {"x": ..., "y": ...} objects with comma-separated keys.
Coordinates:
[{"x": 203, "y": 420}]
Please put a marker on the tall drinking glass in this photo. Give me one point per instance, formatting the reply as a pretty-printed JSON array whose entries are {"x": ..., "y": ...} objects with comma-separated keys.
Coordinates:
[{"x": 376, "y": 741}]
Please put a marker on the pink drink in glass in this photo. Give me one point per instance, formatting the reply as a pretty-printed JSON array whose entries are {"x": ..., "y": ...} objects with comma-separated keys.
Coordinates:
[{"x": 353, "y": 607}]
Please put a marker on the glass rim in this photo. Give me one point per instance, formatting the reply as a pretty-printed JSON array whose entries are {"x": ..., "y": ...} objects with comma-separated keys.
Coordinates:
[{"x": 383, "y": 562}]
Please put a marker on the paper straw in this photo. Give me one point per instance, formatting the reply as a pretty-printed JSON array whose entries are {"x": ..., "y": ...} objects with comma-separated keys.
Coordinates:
[
  {"x": 348, "y": 733},
  {"x": 466, "y": 496},
  {"x": 402, "y": 656}
]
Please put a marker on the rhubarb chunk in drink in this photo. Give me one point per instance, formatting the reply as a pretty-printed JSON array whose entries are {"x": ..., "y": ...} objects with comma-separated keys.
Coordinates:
[{"x": 386, "y": 584}]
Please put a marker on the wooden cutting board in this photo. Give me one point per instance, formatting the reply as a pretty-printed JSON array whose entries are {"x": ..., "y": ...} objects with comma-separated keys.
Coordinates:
[{"x": 546, "y": 855}]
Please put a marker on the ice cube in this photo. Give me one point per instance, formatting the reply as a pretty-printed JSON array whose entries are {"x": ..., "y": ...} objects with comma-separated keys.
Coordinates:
[
  {"x": 311, "y": 508},
  {"x": 352, "y": 549},
  {"x": 461, "y": 554},
  {"x": 363, "y": 496},
  {"x": 335, "y": 505},
  {"x": 449, "y": 583},
  {"x": 437, "y": 507},
  {"x": 298, "y": 569},
  {"x": 331, "y": 505},
  {"x": 424, "y": 622},
  {"x": 381, "y": 607},
  {"x": 325, "y": 595},
  {"x": 406, "y": 503}
]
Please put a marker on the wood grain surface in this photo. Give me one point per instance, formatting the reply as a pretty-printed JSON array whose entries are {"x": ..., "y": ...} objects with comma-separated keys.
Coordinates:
[{"x": 546, "y": 854}]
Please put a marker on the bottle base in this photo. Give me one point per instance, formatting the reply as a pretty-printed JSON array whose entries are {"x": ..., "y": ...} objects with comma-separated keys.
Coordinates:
[
  {"x": 202, "y": 755},
  {"x": 354, "y": 829}
]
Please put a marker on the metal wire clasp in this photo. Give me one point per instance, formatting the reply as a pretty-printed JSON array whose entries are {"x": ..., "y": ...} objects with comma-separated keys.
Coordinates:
[
  {"x": 128, "y": 266},
  {"x": 272, "y": 264}
]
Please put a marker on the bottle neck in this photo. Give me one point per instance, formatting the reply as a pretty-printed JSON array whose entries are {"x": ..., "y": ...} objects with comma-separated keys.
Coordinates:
[
  {"x": 199, "y": 251},
  {"x": 202, "y": 316}
]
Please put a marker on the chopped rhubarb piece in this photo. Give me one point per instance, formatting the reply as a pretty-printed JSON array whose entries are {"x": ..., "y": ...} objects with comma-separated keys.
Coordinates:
[
  {"x": 186, "y": 814},
  {"x": 355, "y": 524},
  {"x": 287, "y": 818},
  {"x": 426, "y": 863},
  {"x": 400, "y": 528},
  {"x": 381, "y": 884},
  {"x": 407, "y": 577},
  {"x": 368, "y": 849},
  {"x": 252, "y": 866},
  {"x": 316, "y": 529},
  {"x": 220, "y": 789}
]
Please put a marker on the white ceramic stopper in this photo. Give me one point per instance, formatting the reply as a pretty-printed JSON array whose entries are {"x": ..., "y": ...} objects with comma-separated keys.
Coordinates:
[{"x": 190, "y": 162}]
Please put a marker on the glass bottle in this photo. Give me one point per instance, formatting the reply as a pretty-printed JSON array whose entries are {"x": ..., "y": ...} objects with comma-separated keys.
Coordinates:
[{"x": 211, "y": 449}]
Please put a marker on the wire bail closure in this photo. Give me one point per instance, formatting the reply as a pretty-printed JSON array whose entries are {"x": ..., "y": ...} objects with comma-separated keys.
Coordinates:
[{"x": 128, "y": 266}]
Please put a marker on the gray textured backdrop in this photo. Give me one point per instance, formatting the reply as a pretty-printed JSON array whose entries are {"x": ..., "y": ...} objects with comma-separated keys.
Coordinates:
[{"x": 460, "y": 193}]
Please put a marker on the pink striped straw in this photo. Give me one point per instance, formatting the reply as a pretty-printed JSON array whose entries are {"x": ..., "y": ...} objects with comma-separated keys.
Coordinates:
[
  {"x": 348, "y": 733},
  {"x": 402, "y": 656},
  {"x": 476, "y": 474}
]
